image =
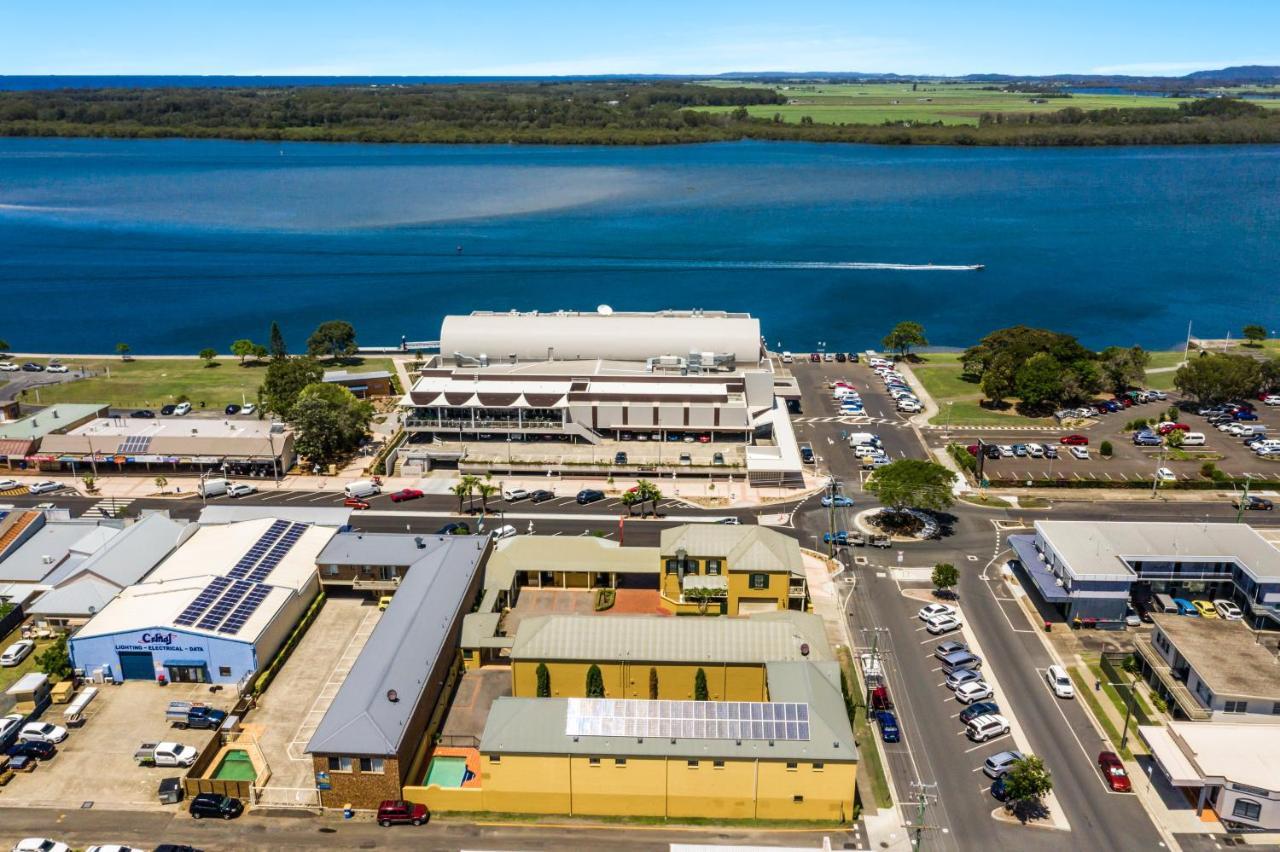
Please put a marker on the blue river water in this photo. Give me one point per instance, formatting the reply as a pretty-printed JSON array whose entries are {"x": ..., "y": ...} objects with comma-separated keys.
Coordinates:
[{"x": 175, "y": 245}]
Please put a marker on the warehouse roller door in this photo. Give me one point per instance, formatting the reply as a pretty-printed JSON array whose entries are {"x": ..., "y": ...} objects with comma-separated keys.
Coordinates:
[{"x": 137, "y": 665}]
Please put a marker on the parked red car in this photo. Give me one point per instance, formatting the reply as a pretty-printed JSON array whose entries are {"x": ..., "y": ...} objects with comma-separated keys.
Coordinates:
[
  {"x": 880, "y": 699},
  {"x": 355, "y": 503},
  {"x": 1125, "y": 401},
  {"x": 392, "y": 812},
  {"x": 815, "y": 357},
  {"x": 405, "y": 494},
  {"x": 1166, "y": 428},
  {"x": 973, "y": 449},
  {"x": 1113, "y": 771},
  {"x": 1074, "y": 440}
]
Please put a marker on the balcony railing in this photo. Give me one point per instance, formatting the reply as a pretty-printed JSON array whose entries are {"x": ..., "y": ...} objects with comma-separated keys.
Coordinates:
[
  {"x": 479, "y": 425},
  {"x": 1187, "y": 702}
]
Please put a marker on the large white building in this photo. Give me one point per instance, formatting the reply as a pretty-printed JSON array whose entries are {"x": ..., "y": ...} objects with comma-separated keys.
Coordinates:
[
  {"x": 215, "y": 611},
  {"x": 598, "y": 377}
]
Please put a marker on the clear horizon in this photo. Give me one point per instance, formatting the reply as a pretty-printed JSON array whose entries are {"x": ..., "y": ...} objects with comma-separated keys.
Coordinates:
[{"x": 574, "y": 38}]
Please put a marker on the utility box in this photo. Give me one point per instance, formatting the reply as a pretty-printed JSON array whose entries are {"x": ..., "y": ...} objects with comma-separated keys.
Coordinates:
[
  {"x": 62, "y": 691},
  {"x": 30, "y": 694}
]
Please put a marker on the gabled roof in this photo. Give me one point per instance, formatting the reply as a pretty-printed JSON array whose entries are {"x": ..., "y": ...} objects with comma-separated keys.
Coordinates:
[
  {"x": 746, "y": 547},
  {"x": 401, "y": 652},
  {"x": 55, "y": 542},
  {"x": 82, "y": 596}
]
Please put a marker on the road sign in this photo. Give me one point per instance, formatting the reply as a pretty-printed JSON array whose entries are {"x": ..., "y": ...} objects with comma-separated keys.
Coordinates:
[{"x": 899, "y": 557}]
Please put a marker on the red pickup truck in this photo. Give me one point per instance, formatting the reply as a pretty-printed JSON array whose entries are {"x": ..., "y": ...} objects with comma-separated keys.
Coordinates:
[{"x": 880, "y": 699}]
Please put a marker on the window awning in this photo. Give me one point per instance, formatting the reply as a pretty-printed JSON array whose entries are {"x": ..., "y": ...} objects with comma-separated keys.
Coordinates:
[
  {"x": 1046, "y": 582},
  {"x": 716, "y": 583},
  {"x": 198, "y": 663}
]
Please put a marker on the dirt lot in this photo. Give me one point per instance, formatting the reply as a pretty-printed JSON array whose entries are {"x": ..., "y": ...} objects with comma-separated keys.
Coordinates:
[{"x": 95, "y": 763}]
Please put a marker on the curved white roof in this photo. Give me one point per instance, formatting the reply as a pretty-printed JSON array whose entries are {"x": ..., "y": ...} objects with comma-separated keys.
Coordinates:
[{"x": 574, "y": 336}]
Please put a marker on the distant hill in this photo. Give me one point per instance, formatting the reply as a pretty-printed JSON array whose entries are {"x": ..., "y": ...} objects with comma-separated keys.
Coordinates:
[{"x": 1243, "y": 73}]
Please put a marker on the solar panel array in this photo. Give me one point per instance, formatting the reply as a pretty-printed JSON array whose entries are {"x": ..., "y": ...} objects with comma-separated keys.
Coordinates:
[
  {"x": 714, "y": 720},
  {"x": 202, "y": 602},
  {"x": 272, "y": 559},
  {"x": 228, "y": 603},
  {"x": 134, "y": 445},
  {"x": 240, "y": 616}
]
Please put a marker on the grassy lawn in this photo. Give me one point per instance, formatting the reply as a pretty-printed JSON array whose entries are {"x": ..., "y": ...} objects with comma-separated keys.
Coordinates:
[
  {"x": 941, "y": 376},
  {"x": 150, "y": 383},
  {"x": 9, "y": 675},
  {"x": 1085, "y": 691},
  {"x": 949, "y": 103}
]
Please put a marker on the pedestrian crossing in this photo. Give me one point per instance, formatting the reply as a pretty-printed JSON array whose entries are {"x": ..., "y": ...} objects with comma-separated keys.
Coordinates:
[
  {"x": 109, "y": 507},
  {"x": 850, "y": 421},
  {"x": 967, "y": 429}
]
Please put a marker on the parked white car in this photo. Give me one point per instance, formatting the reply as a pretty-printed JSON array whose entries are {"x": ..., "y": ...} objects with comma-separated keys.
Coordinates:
[
  {"x": 504, "y": 531},
  {"x": 514, "y": 494},
  {"x": 9, "y": 723},
  {"x": 942, "y": 624},
  {"x": 183, "y": 409},
  {"x": 1081, "y": 453},
  {"x": 8, "y": 367},
  {"x": 1165, "y": 475},
  {"x": 40, "y": 844},
  {"x": 241, "y": 489},
  {"x": 44, "y": 486},
  {"x": 1227, "y": 610},
  {"x": 1058, "y": 680},
  {"x": 7, "y": 484},
  {"x": 56, "y": 368},
  {"x": 1036, "y": 451},
  {"x": 42, "y": 732},
  {"x": 1271, "y": 399},
  {"x": 248, "y": 408},
  {"x": 967, "y": 693},
  {"x": 935, "y": 610},
  {"x": 17, "y": 652}
]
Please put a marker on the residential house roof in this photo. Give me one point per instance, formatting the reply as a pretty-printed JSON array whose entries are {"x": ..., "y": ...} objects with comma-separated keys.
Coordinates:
[{"x": 745, "y": 547}]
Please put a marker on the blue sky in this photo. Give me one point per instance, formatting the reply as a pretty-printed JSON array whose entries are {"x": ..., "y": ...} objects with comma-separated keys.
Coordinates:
[{"x": 546, "y": 37}]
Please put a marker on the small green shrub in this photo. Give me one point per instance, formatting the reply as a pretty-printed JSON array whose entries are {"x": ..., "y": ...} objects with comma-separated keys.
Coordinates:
[
  {"x": 1208, "y": 469},
  {"x": 1105, "y": 449}
]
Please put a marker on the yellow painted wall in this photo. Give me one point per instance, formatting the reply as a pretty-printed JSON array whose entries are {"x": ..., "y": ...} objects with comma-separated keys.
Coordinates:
[
  {"x": 529, "y": 785},
  {"x": 741, "y": 789},
  {"x": 636, "y": 788},
  {"x": 739, "y": 586},
  {"x": 726, "y": 792},
  {"x": 828, "y": 792},
  {"x": 628, "y": 680}
]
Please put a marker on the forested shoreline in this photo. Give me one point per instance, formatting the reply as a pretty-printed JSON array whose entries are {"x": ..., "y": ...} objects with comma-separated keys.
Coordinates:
[{"x": 579, "y": 113}]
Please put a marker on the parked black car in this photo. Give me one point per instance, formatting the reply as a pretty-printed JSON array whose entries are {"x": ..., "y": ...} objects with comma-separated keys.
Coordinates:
[
  {"x": 143, "y": 414},
  {"x": 168, "y": 410},
  {"x": 619, "y": 458},
  {"x": 457, "y": 528},
  {"x": 32, "y": 368},
  {"x": 38, "y": 750},
  {"x": 176, "y": 847},
  {"x": 841, "y": 357},
  {"x": 542, "y": 495},
  {"x": 232, "y": 409},
  {"x": 216, "y": 806},
  {"x": 589, "y": 495}
]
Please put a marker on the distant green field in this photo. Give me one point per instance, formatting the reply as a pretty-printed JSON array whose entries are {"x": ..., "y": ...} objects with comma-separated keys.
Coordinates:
[{"x": 876, "y": 103}]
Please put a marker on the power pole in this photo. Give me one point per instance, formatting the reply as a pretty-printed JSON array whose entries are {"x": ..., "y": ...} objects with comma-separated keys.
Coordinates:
[
  {"x": 923, "y": 794},
  {"x": 832, "y": 486},
  {"x": 1243, "y": 501}
]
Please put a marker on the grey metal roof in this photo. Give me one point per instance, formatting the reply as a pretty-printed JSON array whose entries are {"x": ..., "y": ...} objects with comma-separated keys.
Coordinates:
[
  {"x": 41, "y": 554},
  {"x": 1098, "y": 549},
  {"x": 82, "y": 596},
  {"x": 319, "y": 516},
  {"x": 765, "y": 637},
  {"x": 1226, "y": 655},
  {"x": 746, "y": 547},
  {"x": 566, "y": 553},
  {"x": 47, "y": 420},
  {"x": 128, "y": 557},
  {"x": 345, "y": 376},
  {"x": 360, "y": 548},
  {"x": 401, "y": 652},
  {"x": 537, "y": 726}
]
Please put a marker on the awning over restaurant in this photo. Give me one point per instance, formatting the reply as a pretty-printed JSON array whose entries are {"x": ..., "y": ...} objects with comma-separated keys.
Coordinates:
[{"x": 1046, "y": 582}]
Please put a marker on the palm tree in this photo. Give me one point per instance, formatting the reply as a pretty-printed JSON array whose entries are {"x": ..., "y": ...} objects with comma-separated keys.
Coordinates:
[
  {"x": 486, "y": 490},
  {"x": 647, "y": 492},
  {"x": 469, "y": 484},
  {"x": 461, "y": 491},
  {"x": 629, "y": 499}
]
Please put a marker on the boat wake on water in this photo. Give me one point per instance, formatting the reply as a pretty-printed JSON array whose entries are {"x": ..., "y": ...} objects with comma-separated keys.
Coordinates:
[{"x": 673, "y": 263}]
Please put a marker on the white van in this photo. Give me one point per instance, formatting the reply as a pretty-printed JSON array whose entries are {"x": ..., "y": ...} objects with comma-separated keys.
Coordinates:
[
  {"x": 362, "y": 488},
  {"x": 1193, "y": 439},
  {"x": 214, "y": 487},
  {"x": 880, "y": 362},
  {"x": 787, "y": 358},
  {"x": 863, "y": 438}
]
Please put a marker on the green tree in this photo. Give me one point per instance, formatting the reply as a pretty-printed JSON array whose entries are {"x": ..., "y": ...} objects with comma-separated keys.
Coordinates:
[
  {"x": 461, "y": 490},
  {"x": 242, "y": 349},
  {"x": 595, "y": 682},
  {"x": 328, "y": 421},
  {"x": 332, "y": 339},
  {"x": 55, "y": 661},
  {"x": 207, "y": 355},
  {"x": 1254, "y": 333},
  {"x": 1038, "y": 382},
  {"x": 283, "y": 382},
  {"x": 702, "y": 597},
  {"x": 1215, "y": 378},
  {"x": 700, "y": 686},
  {"x": 997, "y": 382},
  {"x": 161, "y": 483},
  {"x": 123, "y": 349},
  {"x": 1027, "y": 782},
  {"x": 630, "y": 499},
  {"x": 278, "y": 350},
  {"x": 486, "y": 490},
  {"x": 1123, "y": 368},
  {"x": 945, "y": 576},
  {"x": 259, "y": 352},
  {"x": 648, "y": 493},
  {"x": 1174, "y": 438},
  {"x": 4, "y": 350},
  {"x": 903, "y": 337},
  {"x": 544, "y": 681},
  {"x": 913, "y": 483},
  {"x": 653, "y": 684}
]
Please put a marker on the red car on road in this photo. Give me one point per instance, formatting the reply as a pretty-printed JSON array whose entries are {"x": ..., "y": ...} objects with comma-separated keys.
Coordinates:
[
  {"x": 1113, "y": 771},
  {"x": 405, "y": 494},
  {"x": 1166, "y": 428},
  {"x": 1075, "y": 440},
  {"x": 355, "y": 503}
]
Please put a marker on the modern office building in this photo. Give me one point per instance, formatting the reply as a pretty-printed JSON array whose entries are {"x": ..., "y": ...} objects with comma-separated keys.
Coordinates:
[
  {"x": 216, "y": 610},
  {"x": 1229, "y": 768},
  {"x": 1090, "y": 570},
  {"x": 603, "y": 377},
  {"x": 375, "y": 733},
  {"x": 241, "y": 447}
]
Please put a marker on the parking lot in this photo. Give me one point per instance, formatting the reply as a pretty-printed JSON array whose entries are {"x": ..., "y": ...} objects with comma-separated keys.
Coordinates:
[
  {"x": 1128, "y": 462},
  {"x": 95, "y": 763}
]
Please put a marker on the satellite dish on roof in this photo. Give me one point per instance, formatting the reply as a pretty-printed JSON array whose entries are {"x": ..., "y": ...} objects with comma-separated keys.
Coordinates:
[{"x": 604, "y": 310}]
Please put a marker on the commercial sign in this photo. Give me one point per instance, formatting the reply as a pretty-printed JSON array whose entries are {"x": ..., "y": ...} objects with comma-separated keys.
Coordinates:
[{"x": 156, "y": 640}]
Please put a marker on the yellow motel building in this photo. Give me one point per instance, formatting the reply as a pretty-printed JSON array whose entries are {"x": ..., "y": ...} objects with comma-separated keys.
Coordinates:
[
  {"x": 654, "y": 656},
  {"x": 743, "y": 570},
  {"x": 791, "y": 757}
]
